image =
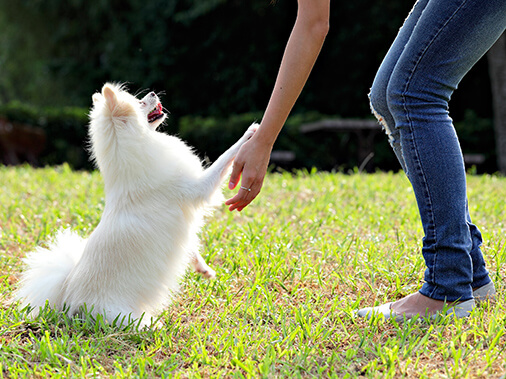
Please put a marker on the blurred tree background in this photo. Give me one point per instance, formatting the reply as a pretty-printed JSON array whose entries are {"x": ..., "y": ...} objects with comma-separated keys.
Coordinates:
[{"x": 211, "y": 58}]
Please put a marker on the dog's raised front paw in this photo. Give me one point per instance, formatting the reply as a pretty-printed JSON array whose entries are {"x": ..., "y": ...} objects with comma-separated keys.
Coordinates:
[{"x": 249, "y": 133}]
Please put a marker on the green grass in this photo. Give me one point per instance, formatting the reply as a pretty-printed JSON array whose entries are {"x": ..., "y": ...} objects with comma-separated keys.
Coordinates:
[{"x": 291, "y": 269}]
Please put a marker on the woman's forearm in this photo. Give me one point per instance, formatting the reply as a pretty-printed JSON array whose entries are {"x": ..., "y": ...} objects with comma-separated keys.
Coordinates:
[{"x": 301, "y": 51}]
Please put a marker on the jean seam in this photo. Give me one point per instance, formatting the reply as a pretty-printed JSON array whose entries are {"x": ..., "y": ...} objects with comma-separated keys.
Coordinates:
[{"x": 411, "y": 129}]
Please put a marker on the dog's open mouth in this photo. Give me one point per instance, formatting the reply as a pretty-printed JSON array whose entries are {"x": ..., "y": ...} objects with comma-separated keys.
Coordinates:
[{"x": 156, "y": 113}]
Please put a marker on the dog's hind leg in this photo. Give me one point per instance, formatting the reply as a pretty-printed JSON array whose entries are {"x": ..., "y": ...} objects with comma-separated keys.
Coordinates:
[
  {"x": 197, "y": 261},
  {"x": 201, "y": 266}
]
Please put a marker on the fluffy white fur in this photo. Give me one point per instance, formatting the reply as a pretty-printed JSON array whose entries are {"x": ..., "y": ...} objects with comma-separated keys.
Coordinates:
[{"x": 157, "y": 194}]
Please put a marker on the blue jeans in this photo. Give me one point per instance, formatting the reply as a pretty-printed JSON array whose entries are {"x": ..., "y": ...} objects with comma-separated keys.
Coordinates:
[{"x": 438, "y": 44}]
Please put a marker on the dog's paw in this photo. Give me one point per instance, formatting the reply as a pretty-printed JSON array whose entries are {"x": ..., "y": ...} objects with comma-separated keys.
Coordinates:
[
  {"x": 207, "y": 273},
  {"x": 200, "y": 266},
  {"x": 254, "y": 127},
  {"x": 249, "y": 133}
]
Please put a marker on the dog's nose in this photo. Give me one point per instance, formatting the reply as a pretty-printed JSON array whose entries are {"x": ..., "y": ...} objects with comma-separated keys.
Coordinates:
[{"x": 152, "y": 94}]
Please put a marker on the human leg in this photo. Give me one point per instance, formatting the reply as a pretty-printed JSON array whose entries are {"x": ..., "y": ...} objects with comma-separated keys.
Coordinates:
[
  {"x": 448, "y": 39},
  {"x": 438, "y": 44}
]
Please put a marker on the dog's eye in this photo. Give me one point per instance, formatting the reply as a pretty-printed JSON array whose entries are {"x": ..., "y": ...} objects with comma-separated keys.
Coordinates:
[{"x": 142, "y": 103}]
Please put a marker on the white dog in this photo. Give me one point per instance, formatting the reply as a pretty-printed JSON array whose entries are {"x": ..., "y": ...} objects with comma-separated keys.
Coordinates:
[{"x": 157, "y": 194}]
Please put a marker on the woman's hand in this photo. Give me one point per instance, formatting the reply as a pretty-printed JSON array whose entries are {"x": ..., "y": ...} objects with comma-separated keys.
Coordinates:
[{"x": 251, "y": 162}]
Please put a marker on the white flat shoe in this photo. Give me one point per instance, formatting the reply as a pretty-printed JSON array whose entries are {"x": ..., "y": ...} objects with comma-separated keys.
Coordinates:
[
  {"x": 385, "y": 310},
  {"x": 484, "y": 293}
]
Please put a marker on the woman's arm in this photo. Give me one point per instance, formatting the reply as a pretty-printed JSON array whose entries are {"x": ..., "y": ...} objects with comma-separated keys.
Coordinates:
[{"x": 302, "y": 49}]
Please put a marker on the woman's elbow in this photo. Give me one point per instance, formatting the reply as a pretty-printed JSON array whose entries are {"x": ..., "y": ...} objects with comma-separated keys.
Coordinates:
[
  {"x": 318, "y": 27},
  {"x": 319, "y": 30},
  {"x": 315, "y": 17},
  {"x": 322, "y": 28}
]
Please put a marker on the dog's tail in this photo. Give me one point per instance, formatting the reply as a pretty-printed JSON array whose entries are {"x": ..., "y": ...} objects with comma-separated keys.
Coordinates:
[{"x": 47, "y": 270}]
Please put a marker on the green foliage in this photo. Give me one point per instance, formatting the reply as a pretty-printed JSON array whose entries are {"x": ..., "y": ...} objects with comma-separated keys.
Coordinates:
[
  {"x": 66, "y": 131},
  {"x": 24, "y": 58},
  {"x": 291, "y": 269},
  {"x": 213, "y": 57},
  {"x": 211, "y": 136}
]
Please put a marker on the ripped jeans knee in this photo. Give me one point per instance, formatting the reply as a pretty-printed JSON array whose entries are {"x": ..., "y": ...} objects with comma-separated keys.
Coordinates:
[{"x": 379, "y": 107}]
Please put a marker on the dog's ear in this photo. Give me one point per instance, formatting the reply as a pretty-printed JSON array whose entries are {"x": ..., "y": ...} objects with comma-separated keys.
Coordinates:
[{"x": 110, "y": 97}]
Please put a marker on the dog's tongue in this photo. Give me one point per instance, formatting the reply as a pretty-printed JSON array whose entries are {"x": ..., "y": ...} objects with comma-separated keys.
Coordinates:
[{"x": 155, "y": 113}]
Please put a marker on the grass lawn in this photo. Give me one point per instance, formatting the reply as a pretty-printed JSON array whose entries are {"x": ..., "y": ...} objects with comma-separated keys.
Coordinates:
[{"x": 291, "y": 269}]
